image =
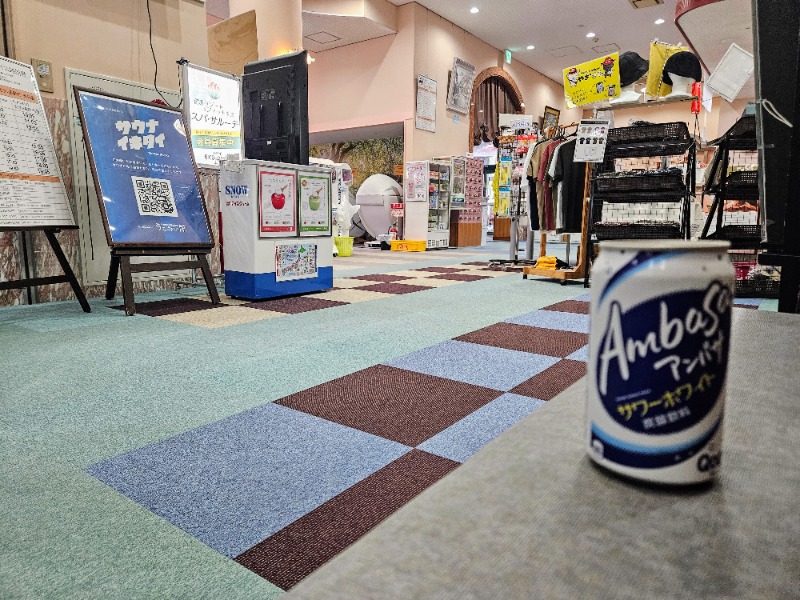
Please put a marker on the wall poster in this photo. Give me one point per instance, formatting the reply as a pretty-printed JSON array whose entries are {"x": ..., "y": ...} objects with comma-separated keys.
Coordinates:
[
  {"x": 458, "y": 184},
  {"x": 32, "y": 193},
  {"x": 596, "y": 80},
  {"x": 315, "y": 204},
  {"x": 416, "y": 182},
  {"x": 295, "y": 261},
  {"x": 211, "y": 104},
  {"x": 144, "y": 172},
  {"x": 426, "y": 104},
  {"x": 277, "y": 207}
]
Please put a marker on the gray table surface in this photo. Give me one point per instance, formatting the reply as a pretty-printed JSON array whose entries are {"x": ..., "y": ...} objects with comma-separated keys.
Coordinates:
[{"x": 529, "y": 516}]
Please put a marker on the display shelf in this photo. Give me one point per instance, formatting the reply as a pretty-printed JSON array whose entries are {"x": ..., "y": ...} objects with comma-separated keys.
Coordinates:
[
  {"x": 662, "y": 139},
  {"x": 613, "y": 184},
  {"x": 741, "y": 237},
  {"x": 627, "y": 231}
]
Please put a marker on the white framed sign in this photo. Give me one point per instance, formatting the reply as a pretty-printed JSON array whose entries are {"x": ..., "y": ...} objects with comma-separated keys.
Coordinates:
[
  {"x": 426, "y": 104},
  {"x": 212, "y": 109},
  {"x": 590, "y": 145},
  {"x": 32, "y": 192}
]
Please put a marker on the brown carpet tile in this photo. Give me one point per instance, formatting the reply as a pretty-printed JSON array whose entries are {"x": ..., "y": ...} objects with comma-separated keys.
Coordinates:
[
  {"x": 295, "y": 304},
  {"x": 477, "y": 263},
  {"x": 570, "y": 306},
  {"x": 528, "y": 339},
  {"x": 159, "y": 308},
  {"x": 750, "y": 306},
  {"x": 459, "y": 277},
  {"x": 551, "y": 382},
  {"x": 393, "y": 403},
  {"x": 441, "y": 269},
  {"x": 294, "y": 552},
  {"x": 382, "y": 278},
  {"x": 394, "y": 288}
]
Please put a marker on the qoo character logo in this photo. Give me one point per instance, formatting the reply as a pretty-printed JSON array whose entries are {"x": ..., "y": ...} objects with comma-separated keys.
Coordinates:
[{"x": 661, "y": 364}]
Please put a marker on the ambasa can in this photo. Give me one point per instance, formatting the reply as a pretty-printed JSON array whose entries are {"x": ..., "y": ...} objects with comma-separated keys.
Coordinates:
[{"x": 658, "y": 357}]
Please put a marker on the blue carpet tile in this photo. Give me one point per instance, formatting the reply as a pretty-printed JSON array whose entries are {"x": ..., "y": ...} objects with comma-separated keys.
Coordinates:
[
  {"x": 491, "y": 367},
  {"x": 549, "y": 319},
  {"x": 582, "y": 354},
  {"x": 464, "y": 438},
  {"x": 235, "y": 482}
]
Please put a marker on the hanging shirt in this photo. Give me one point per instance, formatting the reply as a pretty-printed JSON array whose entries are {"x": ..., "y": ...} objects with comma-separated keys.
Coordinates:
[
  {"x": 547, "y": 192},
  {"x": 556, "y": 183},
  {"x": 572, "y": 176},
  {"x": 533, "y": 171}
]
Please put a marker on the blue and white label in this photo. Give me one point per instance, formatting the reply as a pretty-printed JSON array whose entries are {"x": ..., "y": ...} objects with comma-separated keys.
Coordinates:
[{"x": 661, "y": 365}]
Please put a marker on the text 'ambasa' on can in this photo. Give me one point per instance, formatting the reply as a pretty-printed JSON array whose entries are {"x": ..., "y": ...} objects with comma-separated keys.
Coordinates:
[{"x": 658, "y": 357}]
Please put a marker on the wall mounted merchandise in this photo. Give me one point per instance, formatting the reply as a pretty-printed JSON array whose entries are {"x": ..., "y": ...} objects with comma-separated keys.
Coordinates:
[{"x": 459, "y": 92}]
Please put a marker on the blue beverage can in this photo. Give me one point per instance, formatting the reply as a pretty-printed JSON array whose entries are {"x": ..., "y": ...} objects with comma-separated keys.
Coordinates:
[{"x": 658, "y": 358}]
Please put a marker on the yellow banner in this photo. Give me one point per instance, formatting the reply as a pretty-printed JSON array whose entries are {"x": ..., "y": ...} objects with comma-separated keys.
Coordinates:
[
  {"x": 659, "y": 53},
  {"x": 593, "y": 81}
]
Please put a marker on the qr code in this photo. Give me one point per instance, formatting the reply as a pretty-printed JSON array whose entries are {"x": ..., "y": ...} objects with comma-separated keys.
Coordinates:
[{"x": 154, "y": 197}]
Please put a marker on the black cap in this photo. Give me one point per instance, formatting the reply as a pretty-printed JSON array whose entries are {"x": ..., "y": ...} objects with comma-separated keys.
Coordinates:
[
  {"x": 682, "y": 64},
  {"x": 631, "y": 68}
]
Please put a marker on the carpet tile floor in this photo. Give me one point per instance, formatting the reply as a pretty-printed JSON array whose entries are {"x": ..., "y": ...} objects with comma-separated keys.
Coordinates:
[{"x": 284, "y": 487}]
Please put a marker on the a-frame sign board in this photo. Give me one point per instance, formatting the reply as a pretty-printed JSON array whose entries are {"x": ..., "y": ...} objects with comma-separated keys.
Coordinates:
[
  {"x": 146, "y": 181},
  {"x": 32, "y": 192}
]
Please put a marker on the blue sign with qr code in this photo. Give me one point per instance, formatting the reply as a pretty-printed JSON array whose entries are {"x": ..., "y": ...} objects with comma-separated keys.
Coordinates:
[{"x": 145, "y": 173}]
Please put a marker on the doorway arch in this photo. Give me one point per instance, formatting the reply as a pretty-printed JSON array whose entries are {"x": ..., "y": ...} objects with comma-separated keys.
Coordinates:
[{"x": 493, "y": 76}]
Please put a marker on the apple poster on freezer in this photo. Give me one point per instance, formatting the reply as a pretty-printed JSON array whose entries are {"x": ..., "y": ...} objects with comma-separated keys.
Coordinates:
[
  {"x": 277, "y": 210},
  {"x": 315, "y": 205}
]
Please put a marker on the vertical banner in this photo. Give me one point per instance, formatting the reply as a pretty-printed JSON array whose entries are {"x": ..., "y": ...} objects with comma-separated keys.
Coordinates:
[
  {"x": 277, "y": 206},
  {"x": 211, "y": 103},
  {"x": 315, "y": 204},
  {"x": 295, "y": 261},
  {"x": 596, "y": 80},
  {"x": 426, "y": 104}
]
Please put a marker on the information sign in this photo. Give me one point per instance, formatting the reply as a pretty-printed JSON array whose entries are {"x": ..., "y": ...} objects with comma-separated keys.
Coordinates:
[
  {"x": 295, "y": 261},
  {"x": 144, "y": 173},
  {"x": 591, "y": 141},
  {"x": 596, "y": 80},
  {"x": 315, "y": 204},
  {"x": 32, "y": 193},
  {"x": 212, "y": 107}
]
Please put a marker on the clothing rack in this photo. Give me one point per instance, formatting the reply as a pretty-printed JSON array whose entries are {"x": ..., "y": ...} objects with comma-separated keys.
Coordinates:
[{"x": 578, "y": 271}]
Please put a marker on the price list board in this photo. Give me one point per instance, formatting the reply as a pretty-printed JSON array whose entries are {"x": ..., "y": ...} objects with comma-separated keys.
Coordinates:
[{"x": 32, "y": 193}]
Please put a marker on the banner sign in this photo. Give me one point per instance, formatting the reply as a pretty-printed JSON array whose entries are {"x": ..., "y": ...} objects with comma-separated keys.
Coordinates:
[
  {"x": 32, "y": 193},
  {"x": 211, "y": 103},
  {"x": 592, "y": 138},
  {"x": 315, "y": 204},
  {"x": 144, "y": 172},
  {"x": 596, "y": 80},
  {"x": 277, "y": 207}
]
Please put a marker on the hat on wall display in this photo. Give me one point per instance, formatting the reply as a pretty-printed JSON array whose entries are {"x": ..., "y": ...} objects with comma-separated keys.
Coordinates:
[
  {"x": 681, "y": 70},
  {"x": 632, "y": 68}
]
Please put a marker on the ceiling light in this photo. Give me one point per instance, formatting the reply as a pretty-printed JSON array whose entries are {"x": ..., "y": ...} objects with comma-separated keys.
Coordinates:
[
  {"x": 659, "y": 21},
  {"x": 530, "y": 47},
  {"x": 474, "y": 10},
  {"x": 591, "y": 34}
]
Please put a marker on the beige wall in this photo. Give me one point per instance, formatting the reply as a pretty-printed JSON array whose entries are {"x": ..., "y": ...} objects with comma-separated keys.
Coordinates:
[
  {"x": 369, "y": 83},
  {"x": 110, "y": 37},
  {"x": 437, "y": 42}
]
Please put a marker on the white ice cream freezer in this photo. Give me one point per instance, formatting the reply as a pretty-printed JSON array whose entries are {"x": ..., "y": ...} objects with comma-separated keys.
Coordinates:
[{"x": 276, "y": 228}]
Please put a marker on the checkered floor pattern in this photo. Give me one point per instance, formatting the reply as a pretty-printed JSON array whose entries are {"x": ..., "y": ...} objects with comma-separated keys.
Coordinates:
[
  {"x": 284, "y": 487},
  {"x": 199, "y": 312}
]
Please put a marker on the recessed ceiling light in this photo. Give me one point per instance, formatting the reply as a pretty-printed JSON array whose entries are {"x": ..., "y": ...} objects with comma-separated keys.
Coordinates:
[
  {"x": 659, "y": 21},
  {"x": 530, "y": 47},
  {"x": 590, "y": 34},
  {"x": 474, "y": 10}
]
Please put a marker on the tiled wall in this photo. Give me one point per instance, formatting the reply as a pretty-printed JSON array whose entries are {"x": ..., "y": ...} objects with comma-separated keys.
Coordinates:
[{"x": 44, "y": 262}]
